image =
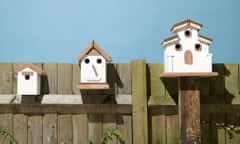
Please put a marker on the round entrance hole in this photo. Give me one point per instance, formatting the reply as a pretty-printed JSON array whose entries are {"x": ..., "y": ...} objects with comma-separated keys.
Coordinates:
[{"x": 27, "y": 77}]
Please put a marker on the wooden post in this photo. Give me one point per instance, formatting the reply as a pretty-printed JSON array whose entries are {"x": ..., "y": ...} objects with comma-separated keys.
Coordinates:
[
  {"x": 139, "y": 102},
  {"x": 189, "y": 110}
]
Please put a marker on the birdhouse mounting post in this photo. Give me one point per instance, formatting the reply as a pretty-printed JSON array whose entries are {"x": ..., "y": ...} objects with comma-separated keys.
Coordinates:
[{"x": 189, "y": 110}]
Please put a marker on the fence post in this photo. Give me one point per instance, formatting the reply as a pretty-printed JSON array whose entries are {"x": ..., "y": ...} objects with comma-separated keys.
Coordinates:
[{"x": 139, "y": 102}]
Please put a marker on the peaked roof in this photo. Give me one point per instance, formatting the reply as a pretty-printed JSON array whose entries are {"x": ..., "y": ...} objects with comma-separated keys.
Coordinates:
[
  {"x": 31, "y": 66},
  {"x": 187, "y": 22},
  {"x": 93, "y": 46},
  {"x": 169, "y": 40}
]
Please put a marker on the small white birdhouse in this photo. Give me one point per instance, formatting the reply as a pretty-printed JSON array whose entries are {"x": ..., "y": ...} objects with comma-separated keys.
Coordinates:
[
  {"x": 93, "y": 67},
  {"x": 187, "y": 51},
  {"x": 29, "y": 80}
]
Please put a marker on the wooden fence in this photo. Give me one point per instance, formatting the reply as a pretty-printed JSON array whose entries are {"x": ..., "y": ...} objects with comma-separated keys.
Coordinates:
[{"x": 151, "y": 118}]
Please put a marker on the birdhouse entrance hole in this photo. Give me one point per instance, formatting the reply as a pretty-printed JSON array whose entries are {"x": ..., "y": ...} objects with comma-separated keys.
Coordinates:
[
  {"x": 188, "y": 58},
  {"x": 27, "y": 77}
]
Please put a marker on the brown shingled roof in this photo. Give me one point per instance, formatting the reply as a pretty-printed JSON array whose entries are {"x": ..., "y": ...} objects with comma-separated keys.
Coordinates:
[
  {"x": 167, "y": 40},
  {"x": 31, "y": 66},
  {"x": 187, "y": 22},
  {"x": 93, "y": 47}
]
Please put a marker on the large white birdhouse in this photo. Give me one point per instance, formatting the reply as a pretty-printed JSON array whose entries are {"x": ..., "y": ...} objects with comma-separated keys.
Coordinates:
[
  {"x": 93, "y": 67},
  {"x": 29, "y": 80},
  {"x": 187, "y": 51}
]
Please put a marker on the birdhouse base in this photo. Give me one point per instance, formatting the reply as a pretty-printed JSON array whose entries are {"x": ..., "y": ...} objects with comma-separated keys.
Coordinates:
[
  {"x": 188, "y": 74},
  {"x": 93, "y": 86}
]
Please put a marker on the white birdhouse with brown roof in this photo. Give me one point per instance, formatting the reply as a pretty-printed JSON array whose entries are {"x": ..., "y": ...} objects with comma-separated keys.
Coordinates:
[
  {"x": 93, "y": 67},
  {"x": 187, "y": 51},
  {"x": 29, "y": 80}
]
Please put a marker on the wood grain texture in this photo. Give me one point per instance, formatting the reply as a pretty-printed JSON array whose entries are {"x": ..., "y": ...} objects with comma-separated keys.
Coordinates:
[
  {"x": 50, "y": 83},
  {"x": 75, "y": 78},
  {"x": 189, "y": 110},
  {"x": 35, "y": 131},
  {"x": 124, "y": 125},
  {"x": 110, "y": 122},
  {"x": 20, "y": 128},
  {"x": 159, "y": 132},
  {"x": 50, "y": 129},
  {"x": 6, "y": 78},
  {"x": 139, "y": 102},
  {"x": 65, "y": 79},
  {"x": 172, "y": 129},
  {"x": 80, "y": 128},
  {"x": 6, "y": 125},
  {"x": 95, "y": 127},
  {"x": 124, "y": 79},
  {"x": 65, "y": 128}
]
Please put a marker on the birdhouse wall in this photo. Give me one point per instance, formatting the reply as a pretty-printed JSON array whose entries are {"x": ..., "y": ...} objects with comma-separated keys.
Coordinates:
[
  {"x": 93, "y": 69},
  {"x": 191, "y": 55},
  {"x": 28, "y": 82}
]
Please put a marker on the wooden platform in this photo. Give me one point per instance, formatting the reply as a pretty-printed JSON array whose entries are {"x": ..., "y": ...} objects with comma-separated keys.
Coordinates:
[
  {"x": 93, "y": 86},
  {"x": 188, "y": 74}
]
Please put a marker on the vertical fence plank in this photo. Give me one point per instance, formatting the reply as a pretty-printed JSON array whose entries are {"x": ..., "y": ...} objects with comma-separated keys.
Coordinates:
[
  {"x": 51, "y": 70},
  {"x": 5, "y": 124},
  {"x": 156, "y": 85},
  {"x": 6, "y": 73},
  {"x": 64, "y": 79},
  {"x": 125, "y": 127},
  {"x": 109, "y": 122},
  {"x": 20, "y": 128},
  {"x": 35, "y": 130},
  {"x": 80, "y": 128},
  {"x": 50, "y": 129},
  {"x": 231, "y": 84},
  {"x": 172, "y": 129},
  {"x": 124, "y": 79},
  {"x": 65, "y": 129},
  {"x": 139, "y": 102},
  {"x": 76, "y": 78},
  {"x": 94, "y": 127},
  {"x": 159, "y": 129}
]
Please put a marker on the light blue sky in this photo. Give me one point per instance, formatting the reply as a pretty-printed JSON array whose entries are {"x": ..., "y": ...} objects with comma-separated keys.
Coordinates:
[{"x": 58, "y": 30}]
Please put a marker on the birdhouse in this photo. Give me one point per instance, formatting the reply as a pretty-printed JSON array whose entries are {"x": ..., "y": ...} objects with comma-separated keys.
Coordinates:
[
  {"x": 186, "y": 50},
  {"x": 29, "y": 80},
  {"x": 93, "y": 67}
]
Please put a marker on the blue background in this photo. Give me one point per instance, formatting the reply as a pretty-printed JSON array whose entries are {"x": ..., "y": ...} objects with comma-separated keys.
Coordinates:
[{"x": 58, "y": 30}]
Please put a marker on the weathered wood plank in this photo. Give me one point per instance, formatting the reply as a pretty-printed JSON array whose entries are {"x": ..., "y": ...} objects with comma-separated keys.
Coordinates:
[
  {"x": 50, "y": 129},
  {"x": 139, "y": 102},
  {"x": 231, "y": 84},
  {"x": 172, "y": 132},
  {"x": 157, "y": 91},
  {"x": 65, "y": 129},
  {"x": 124, "y": 79},
  {"x": 20, "y": 128},
  {"x": 159, "y": 129},
  {"x": 50, "y": 82},
  {"x": 35, "y": 130},
  {"x": 110, "y": 122},
  {"x": 6, "y": 78},
  {"x": 94, "y": 128},
  {"x": 80, "y": 128},
  {"x": 65, "y": 79},
  {"x": 75, "y": 78},
  {"x": 125, "y": 127},
  {"x": 189, "y": 110},
  {"x": 5, "y": 124}
]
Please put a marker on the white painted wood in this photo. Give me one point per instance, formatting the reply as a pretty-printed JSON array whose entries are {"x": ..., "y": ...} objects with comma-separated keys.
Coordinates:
[
  {"x": 28, "y": 82},
  {"x": 93, "y": 69},
  {"x": 10, "y": 99},
  {"x": 62, "y": 99}
]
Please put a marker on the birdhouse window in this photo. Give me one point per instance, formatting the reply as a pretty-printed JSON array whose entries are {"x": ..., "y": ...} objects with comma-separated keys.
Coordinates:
[
  {"x": 188, "y": 33},
  {"x": 198, "y": 47},
  {"x": 87, "y": 61},
  {"x": 99, "y": 61},
  {"x": 27, "y": 75},
  {"x": 178, "y": 47}
]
